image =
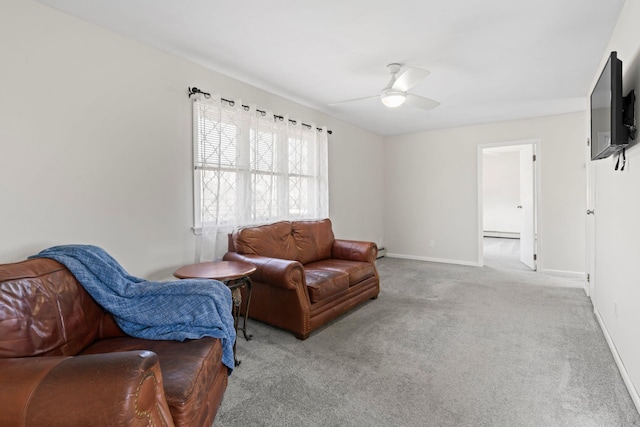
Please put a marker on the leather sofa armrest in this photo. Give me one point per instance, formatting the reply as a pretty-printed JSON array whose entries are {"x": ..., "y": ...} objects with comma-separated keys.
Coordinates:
[
  {"x": 122, "y": 388},
  {"x": 354, "y": 250},
  {"x": 278, "y": 272}
]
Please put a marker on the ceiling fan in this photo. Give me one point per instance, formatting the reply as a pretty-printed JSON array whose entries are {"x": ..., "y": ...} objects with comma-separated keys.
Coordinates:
[{"x": 395, "y": 93}]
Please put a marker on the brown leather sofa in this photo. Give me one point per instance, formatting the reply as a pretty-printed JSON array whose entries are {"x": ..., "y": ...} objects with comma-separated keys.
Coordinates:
[
  {"x": 65, "y": 362},
  {"x": 305, "y": 277}
]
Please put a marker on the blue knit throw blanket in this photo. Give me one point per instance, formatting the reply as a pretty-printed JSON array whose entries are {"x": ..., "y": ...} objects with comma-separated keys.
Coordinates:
[{"x": 173, "y": 310}]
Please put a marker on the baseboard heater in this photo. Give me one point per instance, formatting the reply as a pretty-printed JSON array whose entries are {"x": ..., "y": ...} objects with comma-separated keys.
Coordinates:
[{"x": 503, "y": 234}]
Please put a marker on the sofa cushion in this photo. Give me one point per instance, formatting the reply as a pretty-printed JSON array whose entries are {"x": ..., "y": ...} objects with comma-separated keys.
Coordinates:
[
  {"x": 189, "y": 368},
  {"x": 44, "y": 311},
  {"x": 272, "y": 240},
  {"x": 314, "y": 240},
  {"x": 325, "y": 283},
  {"x": 356, "y": 270}
]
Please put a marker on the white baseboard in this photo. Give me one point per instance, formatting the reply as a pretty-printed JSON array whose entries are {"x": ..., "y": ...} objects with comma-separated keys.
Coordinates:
[
  {"x": 623, "y": 371},
  {"x": 571, "y": 274},
  {"x": 441, "y": 260}
]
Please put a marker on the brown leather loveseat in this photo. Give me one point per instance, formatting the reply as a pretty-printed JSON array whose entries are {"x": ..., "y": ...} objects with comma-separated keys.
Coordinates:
[
  {"x": 65, "y": 362},
  {"x": 305, "y": 277}
]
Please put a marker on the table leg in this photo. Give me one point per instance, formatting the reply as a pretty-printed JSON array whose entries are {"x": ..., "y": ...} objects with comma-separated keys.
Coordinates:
[
  {"x": 236, "y": 298},
  {"x": 247, "y": 280}
]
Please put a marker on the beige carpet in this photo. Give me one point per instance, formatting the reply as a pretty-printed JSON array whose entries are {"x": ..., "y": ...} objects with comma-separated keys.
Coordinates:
[{"x": 443, "y": 345}]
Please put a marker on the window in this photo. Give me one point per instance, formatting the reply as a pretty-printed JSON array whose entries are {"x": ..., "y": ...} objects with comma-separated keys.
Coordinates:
[{"x": 252, "y": 168}]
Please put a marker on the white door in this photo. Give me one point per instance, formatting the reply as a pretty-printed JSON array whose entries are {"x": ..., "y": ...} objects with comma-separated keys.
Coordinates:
[{"x": 527, "y": 198}]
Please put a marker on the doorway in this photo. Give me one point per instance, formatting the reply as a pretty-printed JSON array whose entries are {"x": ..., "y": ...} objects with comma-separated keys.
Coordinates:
[{"x": 507, "y": 215}]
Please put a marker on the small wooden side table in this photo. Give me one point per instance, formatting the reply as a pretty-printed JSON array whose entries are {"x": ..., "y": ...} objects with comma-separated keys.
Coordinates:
[{"x": 235, "y": 275}]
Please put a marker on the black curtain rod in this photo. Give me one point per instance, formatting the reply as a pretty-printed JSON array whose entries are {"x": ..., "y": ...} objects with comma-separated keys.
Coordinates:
[{"x": 195, "y": 90}]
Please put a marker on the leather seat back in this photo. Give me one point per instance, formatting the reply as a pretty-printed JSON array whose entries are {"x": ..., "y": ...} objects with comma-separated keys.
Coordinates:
[
  {"x": 302, "y": 241},
  {"x": 44, "y": 311}
]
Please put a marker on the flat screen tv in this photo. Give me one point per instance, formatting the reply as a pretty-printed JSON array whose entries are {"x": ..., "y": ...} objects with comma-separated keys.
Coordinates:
[{"x": 611, "y": 113}]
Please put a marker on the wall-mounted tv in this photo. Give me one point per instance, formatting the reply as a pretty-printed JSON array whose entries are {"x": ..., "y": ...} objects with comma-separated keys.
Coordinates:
[{"x": 612, "y": 115}]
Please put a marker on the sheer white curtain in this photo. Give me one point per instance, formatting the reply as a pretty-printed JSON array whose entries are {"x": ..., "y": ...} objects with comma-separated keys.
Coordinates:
[{"x": 252, "y": 168}]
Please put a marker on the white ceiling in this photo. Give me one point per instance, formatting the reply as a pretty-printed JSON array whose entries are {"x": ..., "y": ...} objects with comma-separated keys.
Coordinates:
[{"x": 490, "y": 60}]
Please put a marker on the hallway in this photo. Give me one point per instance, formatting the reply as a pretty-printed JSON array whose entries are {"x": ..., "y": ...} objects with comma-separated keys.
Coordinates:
[{"x": 503, "y": 254}]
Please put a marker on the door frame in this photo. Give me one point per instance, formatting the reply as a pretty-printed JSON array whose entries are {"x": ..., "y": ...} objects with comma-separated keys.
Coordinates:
[
  {"x": 590, "y": 228},
  {"x": 537, "y": 172}
]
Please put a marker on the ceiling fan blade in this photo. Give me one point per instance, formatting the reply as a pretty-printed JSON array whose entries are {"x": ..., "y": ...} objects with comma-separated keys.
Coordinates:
[
  {"x": 354, "y": 100},
  {"x": 409, "y": 78},
  {"x": 420, "y": 102}
]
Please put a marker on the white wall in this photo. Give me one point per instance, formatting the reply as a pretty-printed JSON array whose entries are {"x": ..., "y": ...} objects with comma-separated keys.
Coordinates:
[
  {"x": 501, "y": 191},
  {"x": 95, "y": 144},
  {"x": 431, "y": 191},
  {"x": 616, "y": 276}
]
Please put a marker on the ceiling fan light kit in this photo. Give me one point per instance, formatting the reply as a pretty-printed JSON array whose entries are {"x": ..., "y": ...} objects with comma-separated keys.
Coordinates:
[{"x": 392, "y": 98}]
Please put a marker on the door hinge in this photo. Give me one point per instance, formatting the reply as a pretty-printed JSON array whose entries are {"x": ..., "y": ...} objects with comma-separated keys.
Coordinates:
[
  {"x": 588, "y": 142},
  {"x": 534, "y": 157},
  {"x": 535, "y": 257},
  {"x": 588, "y": 278}
]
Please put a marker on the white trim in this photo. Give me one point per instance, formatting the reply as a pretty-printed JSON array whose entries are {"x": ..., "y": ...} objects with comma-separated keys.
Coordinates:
[
  {"x": 563, "y": 273},
  {"x": 480, "y": 215},
  {"x": 590, "y": 222},
  {"x": 430, "y": 259},
  {"x": 537, "y": 151},
  {"x": 623, "y": 371}
]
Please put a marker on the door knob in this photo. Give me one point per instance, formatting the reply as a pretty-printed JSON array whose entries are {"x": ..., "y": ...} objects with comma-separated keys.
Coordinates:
[{"x": 590, "y": 212}]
